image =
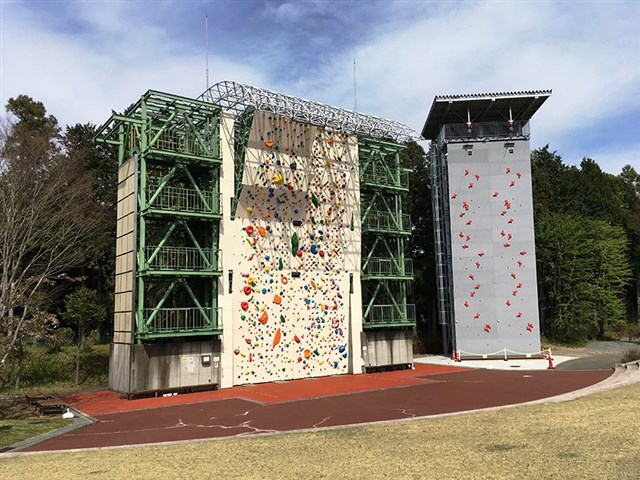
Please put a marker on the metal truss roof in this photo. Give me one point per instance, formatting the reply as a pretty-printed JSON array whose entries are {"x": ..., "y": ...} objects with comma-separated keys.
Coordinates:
[{"x": 237, "y": 97}]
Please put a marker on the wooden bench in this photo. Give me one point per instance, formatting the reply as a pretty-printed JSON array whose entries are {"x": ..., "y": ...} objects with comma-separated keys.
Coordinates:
[
  {"x": 53, "y": 405},
  {"x": 32, "y": 398},
  {"x": 177, "y": 390}
]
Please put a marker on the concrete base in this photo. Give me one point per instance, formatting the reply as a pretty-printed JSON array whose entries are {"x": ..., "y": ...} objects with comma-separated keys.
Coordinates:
[
  {"x": 387, "y": 347},
  {"x": 135, "y": 368}
]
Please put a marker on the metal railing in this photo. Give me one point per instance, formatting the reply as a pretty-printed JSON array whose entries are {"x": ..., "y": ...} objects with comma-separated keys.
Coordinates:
[
  {"x": 484, "y": 130},
  {"x": 172, "y": 140},
  {"x": 183, "y": 258},
  {"x": 181, "y": 320},
  {"x": 180, "y": 199},
  {"x": 389, "y": 314},
  {"x": 386, "y": 221},
  {"x": 387, "y": 267},
  {"x": 376, "y": 175}
]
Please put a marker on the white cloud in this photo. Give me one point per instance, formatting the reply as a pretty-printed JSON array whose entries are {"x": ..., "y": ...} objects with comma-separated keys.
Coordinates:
[
  {"x": 82, "y": 78},
  {"x": 585, "y": 52}
]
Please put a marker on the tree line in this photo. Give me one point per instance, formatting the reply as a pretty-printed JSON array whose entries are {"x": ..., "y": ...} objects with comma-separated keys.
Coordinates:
[{"x": 57, "y": 238}]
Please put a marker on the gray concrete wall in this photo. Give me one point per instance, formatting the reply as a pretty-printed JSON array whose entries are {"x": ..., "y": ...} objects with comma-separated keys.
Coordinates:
[
  {"x": 179, "y": 364},
  {"x": 386, "y": 347},
  {"x": 492, "y": 241}
]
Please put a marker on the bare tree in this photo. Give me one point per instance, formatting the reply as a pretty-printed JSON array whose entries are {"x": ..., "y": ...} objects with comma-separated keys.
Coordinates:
[{"x": 46, "y": 215}]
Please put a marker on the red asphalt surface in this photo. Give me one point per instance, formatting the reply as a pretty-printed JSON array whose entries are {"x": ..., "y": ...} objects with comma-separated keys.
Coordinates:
[{"x": 307, "y": 404}]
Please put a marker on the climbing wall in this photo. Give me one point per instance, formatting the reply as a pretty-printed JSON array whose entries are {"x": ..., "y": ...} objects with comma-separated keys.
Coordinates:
[
  {"x": 492, "y": 240},
  {"x": 298, "y": 242}
]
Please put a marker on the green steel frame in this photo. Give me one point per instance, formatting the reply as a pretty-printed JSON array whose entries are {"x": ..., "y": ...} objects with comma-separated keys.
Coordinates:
[
  {"x": 386, "y": 271},
  {"x": 176, "y": 141}
]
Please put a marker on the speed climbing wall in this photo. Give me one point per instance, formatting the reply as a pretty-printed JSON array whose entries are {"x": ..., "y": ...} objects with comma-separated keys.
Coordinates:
[
  {"x": 492, "y": 246},
  {"x": 296, "y": 259}
]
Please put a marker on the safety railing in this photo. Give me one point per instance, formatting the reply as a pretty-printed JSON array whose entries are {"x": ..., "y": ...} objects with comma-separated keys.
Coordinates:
[
  {"x": 182, "y": 258},
  {"x": 179, "y": 199},
  {"x": 388, "y": 267},
  {"x": 390, "y": 314},
  {"x": 181, "y": 320},
  {"x": 378, "y": 176},
  {"x": 387, "y": 222}
]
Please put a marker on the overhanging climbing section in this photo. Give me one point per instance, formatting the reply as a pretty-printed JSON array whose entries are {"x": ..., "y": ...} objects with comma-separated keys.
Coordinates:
[
  {"x": 386, "y": 271},
  {"x": 173, "y": 145}
]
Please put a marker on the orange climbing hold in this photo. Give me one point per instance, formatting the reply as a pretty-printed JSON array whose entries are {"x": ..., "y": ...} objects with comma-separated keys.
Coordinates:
[
  {"x": 262, "y": 231},
  {"x": 263, "y": 318},
  {"x": 277, "y": 299},
  {"x": 284, "y": 280},
  {"x": 269, "y": 143},
  {"x": 276, "y": 338},
  {"x": 307, "y": 353}
]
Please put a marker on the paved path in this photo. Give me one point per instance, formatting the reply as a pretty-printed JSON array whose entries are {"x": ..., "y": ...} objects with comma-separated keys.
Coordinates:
[{"x": 318, "y": 403}]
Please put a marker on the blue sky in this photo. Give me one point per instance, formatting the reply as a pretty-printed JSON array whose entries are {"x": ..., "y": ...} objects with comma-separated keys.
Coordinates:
[{"x": 83, "y": 59}]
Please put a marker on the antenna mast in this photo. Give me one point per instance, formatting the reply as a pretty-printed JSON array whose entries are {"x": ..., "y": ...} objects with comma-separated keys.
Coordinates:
[
  {"x": 206, "y": 48},
  {"x": 355, "y": 99}
]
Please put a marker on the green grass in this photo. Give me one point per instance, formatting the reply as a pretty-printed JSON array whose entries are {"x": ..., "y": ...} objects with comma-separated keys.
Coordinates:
[
  {"x": 594, "y": 437},
  {"x": 19, "y": 429}
]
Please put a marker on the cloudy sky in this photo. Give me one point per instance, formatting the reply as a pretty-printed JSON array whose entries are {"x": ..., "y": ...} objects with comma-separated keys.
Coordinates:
[{"x": 84, "y": 58}]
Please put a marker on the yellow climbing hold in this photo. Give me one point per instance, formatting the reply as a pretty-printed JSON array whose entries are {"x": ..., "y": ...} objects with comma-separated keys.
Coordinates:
[{"x": 278, "y": 178}]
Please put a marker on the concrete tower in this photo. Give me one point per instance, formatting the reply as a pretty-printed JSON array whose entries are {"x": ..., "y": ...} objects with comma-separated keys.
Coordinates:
[{"x": 483, "y": 220}]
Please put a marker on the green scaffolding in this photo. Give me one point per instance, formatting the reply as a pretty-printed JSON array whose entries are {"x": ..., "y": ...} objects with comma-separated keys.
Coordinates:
[
  {"x": 386, "y": 271},
  {"x": 175, "y": 142}
]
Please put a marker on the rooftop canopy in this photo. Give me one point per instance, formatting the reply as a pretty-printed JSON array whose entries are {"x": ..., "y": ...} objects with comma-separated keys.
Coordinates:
[
  {"x": 237, "y": 97},
  {"x": 483, "y": 107}
]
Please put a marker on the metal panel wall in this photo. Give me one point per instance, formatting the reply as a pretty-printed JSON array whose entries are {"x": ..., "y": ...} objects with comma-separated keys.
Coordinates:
[{"x": 492, "y": 243}]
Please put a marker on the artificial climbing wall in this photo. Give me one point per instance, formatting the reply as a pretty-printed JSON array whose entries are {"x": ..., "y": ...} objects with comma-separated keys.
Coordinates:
[
  {"x": 492, "y": 243},
  {"x": 296, "y": 257}
]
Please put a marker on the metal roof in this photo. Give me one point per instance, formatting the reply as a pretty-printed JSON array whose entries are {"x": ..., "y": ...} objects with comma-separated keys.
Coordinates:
[
  {"x": 482, "y": 107},
  {"x": 237, "y": 97}
]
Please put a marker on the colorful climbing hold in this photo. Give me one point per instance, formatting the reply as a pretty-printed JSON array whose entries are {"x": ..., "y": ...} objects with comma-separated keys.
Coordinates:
[
  {"x": 277, "y": 299},
  {"x": 264, "y": 317},
  {"x": 277, "y": 337}
]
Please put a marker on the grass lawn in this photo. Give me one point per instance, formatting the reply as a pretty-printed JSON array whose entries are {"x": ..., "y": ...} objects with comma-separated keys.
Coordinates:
[
  {"x": 15, "y": 430},
  {"x": 594, "y": 437}
]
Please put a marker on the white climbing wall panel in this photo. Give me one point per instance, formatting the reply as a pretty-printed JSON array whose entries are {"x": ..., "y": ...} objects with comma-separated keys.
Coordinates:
[
  {"x": 297, "y": 241},
  {"x": 494, "y": 267}
]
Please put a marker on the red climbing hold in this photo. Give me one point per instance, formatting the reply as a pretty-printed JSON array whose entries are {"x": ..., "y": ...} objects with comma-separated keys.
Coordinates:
[
  {"x": 466, "y": 304},
  {"x": 508, "y": 170},
  {"x": 495, "y": 194},
  {"x": 508, "y": 302},
  {"x": 454, "y": 196},
  {"x": 472, "y": 276},
  {"x": 519, "y": 315},
  {"x": 469, "y": 222},
  {"x": 470, "y": 185},
  {"x": 249, "y": 229},
  {"x": 247, "y": 290},
  {"x": 523, "y": 252},
  {"x": 244, "y": 306},
  {"x": 481, "y": 254},
  {"x": 513, "y": 275},
  {"x": 512, "y": 183},
  {"x": 476, "y": 316}
]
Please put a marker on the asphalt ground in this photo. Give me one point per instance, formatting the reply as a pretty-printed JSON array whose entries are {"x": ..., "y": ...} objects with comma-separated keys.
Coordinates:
[{"x": 303, "y": 405}]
